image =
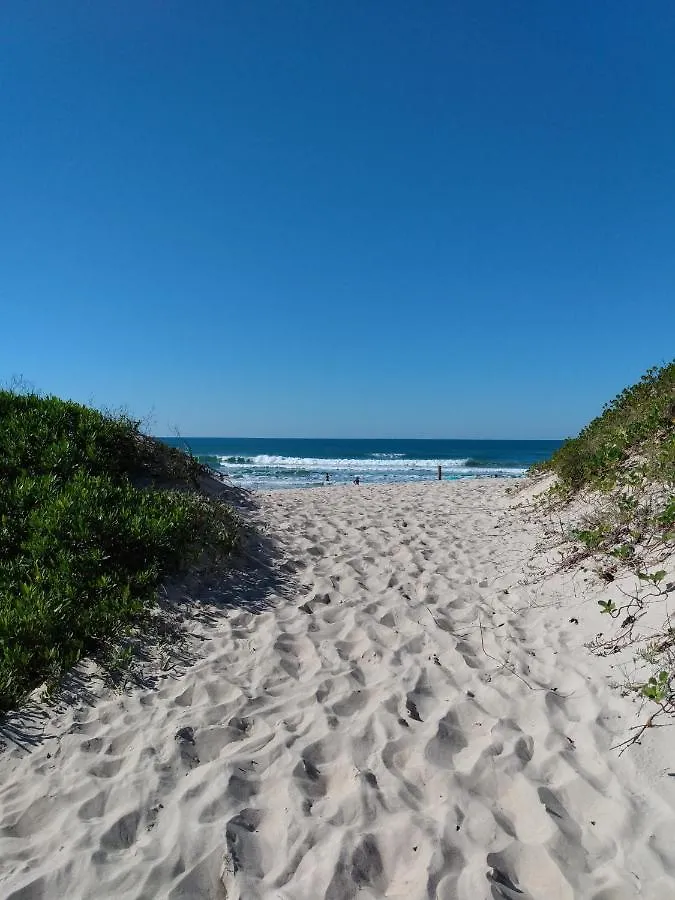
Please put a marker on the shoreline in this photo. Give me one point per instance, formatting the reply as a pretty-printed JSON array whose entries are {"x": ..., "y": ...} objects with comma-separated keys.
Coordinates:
[
  {"x": 373, "y": 484},
  {"x": 393, "y": 704},
  {"x": 266, "y": 462}
]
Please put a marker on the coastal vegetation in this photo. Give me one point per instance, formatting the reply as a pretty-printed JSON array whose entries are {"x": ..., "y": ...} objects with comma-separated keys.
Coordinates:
[
  {"x": 615, "y": 483},
  {"x": 632, "y": 442},
  {"x": 94, "y": 516}
]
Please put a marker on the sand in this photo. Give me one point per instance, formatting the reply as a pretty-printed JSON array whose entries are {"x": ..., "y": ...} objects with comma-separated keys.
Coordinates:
[{"x": 384, "y": 705}]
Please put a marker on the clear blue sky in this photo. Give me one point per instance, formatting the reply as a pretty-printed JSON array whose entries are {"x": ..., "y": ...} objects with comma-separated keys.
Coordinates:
[{"x": 338, "y": 219}]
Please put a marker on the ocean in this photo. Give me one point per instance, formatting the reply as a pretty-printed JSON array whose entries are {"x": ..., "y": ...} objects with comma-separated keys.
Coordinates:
[{"x": 276, "y": 463}]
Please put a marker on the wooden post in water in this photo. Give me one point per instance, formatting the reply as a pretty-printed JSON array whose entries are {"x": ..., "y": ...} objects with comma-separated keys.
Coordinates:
[{"x": 439, "y": 473}]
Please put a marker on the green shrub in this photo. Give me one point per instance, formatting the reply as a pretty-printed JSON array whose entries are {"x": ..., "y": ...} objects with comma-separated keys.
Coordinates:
[
  {"x": 82, "y": 548},
  {"x": 638, "y": 424}
]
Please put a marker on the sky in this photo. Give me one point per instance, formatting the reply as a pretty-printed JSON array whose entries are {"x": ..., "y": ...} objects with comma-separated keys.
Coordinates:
[{"x": 440, "y": 219}]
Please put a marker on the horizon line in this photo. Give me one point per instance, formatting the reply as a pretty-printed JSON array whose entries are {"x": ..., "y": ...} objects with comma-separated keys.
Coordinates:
[{"x": 237, "y": 437}]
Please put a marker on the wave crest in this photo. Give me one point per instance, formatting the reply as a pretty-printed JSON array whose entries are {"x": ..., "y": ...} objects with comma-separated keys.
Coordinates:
[{"x": 326, "y": 465}]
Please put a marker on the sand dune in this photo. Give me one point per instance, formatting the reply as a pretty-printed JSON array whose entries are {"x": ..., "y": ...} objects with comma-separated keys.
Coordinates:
[{"x": 386, "y": 711}]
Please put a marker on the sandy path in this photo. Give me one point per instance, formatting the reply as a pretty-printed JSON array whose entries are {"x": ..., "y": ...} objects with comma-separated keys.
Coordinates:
[{"x": 404, "y": 720}]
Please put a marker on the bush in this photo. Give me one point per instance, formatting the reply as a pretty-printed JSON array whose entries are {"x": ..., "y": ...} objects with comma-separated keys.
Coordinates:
[
  {"x": 638, "y": 425},
  {"x": 82, "y": 548}
]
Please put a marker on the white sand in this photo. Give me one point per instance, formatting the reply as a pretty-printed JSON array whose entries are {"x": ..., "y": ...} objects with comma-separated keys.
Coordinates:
[{"x": 396, "y": 717}]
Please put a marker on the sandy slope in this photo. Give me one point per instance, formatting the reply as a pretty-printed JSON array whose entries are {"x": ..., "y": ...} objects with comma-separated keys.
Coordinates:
[{"x": 394, "y": 715}]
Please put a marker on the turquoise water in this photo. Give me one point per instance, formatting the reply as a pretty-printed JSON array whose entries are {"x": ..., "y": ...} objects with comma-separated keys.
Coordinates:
[{"x": 269, "y": 463}]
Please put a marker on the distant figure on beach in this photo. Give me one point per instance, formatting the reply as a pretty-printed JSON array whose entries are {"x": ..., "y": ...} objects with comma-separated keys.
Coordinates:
[
  {"x": 357, "y": 480},
  {"x": 327, "y": 478}
]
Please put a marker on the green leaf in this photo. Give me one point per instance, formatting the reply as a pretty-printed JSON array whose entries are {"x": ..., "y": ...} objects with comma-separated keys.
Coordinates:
[{"x": 607, "y": 606}]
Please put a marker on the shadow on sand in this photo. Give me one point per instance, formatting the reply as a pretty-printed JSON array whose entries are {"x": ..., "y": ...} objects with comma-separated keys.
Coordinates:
[{"x": 166, "y": 644}]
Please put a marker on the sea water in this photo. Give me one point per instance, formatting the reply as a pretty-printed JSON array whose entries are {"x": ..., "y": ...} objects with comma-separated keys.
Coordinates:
[{"x": 273, "y": 463}]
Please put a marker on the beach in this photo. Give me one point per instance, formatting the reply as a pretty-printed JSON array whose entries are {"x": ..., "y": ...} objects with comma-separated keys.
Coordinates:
[
  {"x": 292, "y": 463},
  {"x": 384, "y": 698}
]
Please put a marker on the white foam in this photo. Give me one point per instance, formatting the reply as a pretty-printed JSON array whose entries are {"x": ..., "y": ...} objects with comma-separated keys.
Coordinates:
[
  {"x": 262, "y": 468},
  {"x": 321, "y": 464}
]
